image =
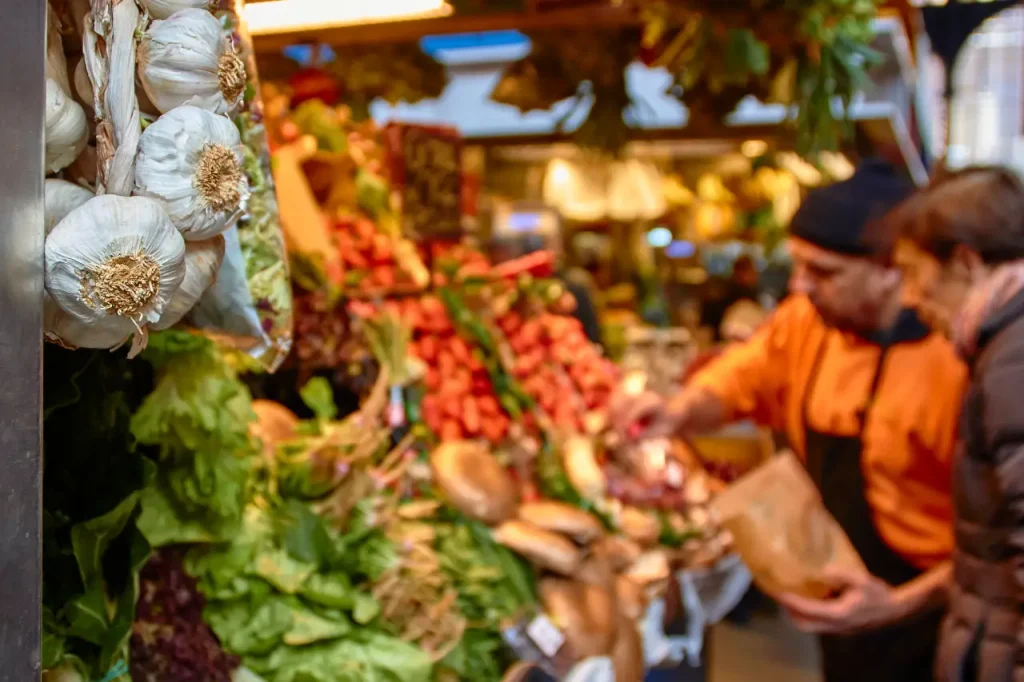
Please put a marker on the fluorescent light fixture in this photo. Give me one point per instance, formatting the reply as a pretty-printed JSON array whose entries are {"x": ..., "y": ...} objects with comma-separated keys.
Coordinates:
[
  {"x": 659, "y": 237},
  {"x": 284, "y": 16}
]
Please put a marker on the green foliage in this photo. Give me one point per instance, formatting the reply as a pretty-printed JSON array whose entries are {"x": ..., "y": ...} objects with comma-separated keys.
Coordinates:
[
  {"x": 197, "y": 421},
  {"x": 93, "y": 482}
]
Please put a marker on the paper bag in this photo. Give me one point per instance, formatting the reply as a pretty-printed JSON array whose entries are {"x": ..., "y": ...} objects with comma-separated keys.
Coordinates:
[{"x": 782, "y": 530}]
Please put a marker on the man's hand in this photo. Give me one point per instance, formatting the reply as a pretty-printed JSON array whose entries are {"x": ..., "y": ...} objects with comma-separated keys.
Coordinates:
[
  {"x": 645, "y": 415},
  {"x": 864, "y": 603}
]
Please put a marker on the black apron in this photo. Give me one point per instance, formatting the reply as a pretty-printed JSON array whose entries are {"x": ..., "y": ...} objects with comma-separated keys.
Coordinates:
[{"x": 904, "y": 652}]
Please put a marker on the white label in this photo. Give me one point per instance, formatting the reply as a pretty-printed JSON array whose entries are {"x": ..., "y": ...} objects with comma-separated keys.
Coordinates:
[{"x": 545, "y": 635}]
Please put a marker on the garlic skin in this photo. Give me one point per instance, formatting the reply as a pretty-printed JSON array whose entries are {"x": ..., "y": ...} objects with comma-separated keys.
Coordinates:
[
  {"x": 60, "y": 197},
  {"x": 187, "y": 59},
  {"x": 191, "y": 162},
  {"x": 202, "y": 263},
  {"x": 115, "y": 260},
  {"x": 56, "y": 62},
  {"x": 67, "y": 130},
  {"x": 83, "y": 86},
  {"x": 64, "y": 330},
  {"x": 162, "y": 9}
]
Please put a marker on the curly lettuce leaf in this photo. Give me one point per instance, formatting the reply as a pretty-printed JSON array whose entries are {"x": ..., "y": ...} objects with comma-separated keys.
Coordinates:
[{"x": 197, "y": 418}]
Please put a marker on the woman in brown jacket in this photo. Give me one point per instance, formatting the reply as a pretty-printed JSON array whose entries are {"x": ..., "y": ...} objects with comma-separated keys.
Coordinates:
[{"x": 962, "y": 253}]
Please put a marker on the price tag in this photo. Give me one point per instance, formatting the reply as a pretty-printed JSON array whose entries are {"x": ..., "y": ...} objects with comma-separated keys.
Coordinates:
[
  {"x": 396, "y": 408},
  {"x": 545, "y": 635}
]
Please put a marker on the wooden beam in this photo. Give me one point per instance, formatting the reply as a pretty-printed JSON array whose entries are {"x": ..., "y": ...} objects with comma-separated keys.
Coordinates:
[{"x": 407, "y": 31}]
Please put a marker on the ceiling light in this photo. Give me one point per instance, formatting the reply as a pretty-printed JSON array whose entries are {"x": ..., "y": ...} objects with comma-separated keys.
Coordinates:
[
  {"x": 284, "y": 16},
  {"x": 659, "y": 237}
]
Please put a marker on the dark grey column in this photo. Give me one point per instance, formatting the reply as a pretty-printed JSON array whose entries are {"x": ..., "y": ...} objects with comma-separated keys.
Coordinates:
[{"x": 22, "y": 93}]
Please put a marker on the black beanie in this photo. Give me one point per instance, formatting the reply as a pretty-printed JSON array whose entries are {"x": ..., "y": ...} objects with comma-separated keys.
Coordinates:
[{"x": 838, "y": 217}]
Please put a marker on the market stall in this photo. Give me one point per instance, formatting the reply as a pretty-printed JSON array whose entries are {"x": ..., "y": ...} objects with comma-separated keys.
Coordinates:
[{"x": 300, "y": 426}]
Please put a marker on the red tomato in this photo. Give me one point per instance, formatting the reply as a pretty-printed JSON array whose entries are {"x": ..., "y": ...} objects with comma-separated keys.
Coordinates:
[{"x": 450, "y": 431}]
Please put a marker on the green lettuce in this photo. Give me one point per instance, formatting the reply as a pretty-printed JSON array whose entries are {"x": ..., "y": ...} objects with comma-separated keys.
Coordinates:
[{"x": 196, "y": 420}]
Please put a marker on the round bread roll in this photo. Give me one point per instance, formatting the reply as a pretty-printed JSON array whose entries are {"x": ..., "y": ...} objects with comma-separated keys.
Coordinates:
[
  {"x": 543, "y": 548},
  {"x": 640, "y": 526},
  {"x": 558, "y": 517},
  {"x": 650, "y": 568},
  {"x": 628, "y": 652},
  {"x": 274, "y": 422},
  {"x": 588, "y": 631},
  {"x": 621, "y": 552},
  {"x": 474, "y": 481}
]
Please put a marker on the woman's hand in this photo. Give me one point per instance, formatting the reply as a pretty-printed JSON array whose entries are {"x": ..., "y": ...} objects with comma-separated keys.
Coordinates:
[{"x": 864, "y": 603}]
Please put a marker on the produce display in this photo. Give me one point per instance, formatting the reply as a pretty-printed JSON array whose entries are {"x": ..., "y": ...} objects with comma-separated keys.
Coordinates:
[
  {"x": 160, "y": 207},
  {"x": 476, "y": 499}
]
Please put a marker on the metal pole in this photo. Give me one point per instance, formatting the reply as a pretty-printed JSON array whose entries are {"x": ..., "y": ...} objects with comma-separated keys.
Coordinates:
[{"x": 22, "y": 89}]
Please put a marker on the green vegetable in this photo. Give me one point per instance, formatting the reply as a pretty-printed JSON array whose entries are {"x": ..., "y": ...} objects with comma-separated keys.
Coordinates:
[
  {"x": 318, "y": 396},
  {"x": 315, "y": 118},
  {"x": 197, "y": 419},
  {"x": 93, "y": 480},
  {"x": 493, "y": 586},
  {"x": 285, "y": 590},
  {"x": 309, "y": 628}
]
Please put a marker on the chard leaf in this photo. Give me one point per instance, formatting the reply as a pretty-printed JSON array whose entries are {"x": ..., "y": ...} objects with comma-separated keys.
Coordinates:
[
  {"x": 318, "y": 396},
  {"x": 279, "y": 569},
  {"x": 90, "y": 539}
]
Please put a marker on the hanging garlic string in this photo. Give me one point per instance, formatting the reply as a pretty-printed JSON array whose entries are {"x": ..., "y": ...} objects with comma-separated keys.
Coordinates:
[{"x": 117, "y": 22}]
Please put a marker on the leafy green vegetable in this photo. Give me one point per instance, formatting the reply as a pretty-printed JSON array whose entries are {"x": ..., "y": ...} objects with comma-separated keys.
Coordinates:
[
  {"x": 315, "y": 118},
  {"x": 197, "y": 419},
  {"x": 93, "y": 478},
  {"x": 477, "y": 657},
  {"x": 318, "y": 396},
  {"x": 304, "y": 534},
  {"x": 279, "y": 569},
  {"x": 263, "y": 630},
  {"x": 333, "y": 590},
  {"x": 309, "y": 628},
  {"x": 285, "y": 591}
]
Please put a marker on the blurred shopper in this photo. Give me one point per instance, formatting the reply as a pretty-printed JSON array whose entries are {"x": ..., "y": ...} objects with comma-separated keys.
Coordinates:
[
  {"x": 578, "y": 281},
  {"x": 719, "y": 296},
  {"x": 868, "y": 397},
  {"x": 962, "y": 253}
]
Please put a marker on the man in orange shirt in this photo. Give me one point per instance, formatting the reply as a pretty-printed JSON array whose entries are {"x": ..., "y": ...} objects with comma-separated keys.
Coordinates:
[{"x": 869, "y": 398}]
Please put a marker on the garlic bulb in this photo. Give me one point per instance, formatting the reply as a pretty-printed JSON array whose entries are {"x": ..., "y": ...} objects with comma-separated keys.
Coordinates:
[
  {"x": 67, "y": 130},
  {"x": 162, "y": 9},
  {"x": 60, "y": 197},
  {"x": 115, "y": 260},
  {"x": 187, "y": 59},
  {"x": 63, "y": 329},
  {"x": 191, "y": 162},
  {"x": 202, "y": 263},
  {"x": 83, "y": 86}
]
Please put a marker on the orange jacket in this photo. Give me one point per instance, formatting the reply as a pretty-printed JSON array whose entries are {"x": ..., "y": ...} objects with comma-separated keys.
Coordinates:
[{"x": 911, "y": 429}]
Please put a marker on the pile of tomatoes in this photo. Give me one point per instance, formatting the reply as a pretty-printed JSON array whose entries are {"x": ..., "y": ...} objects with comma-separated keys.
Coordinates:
[
  {"x": 558, "y": 367},
  {"x": 372, "y": 260},
  {"x": 459, "y": 401}
]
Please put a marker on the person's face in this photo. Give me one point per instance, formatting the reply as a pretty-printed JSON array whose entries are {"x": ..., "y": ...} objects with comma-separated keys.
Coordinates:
[
  {"x": 934, "y": 289},
  {"x": 848, "y": 292}
]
